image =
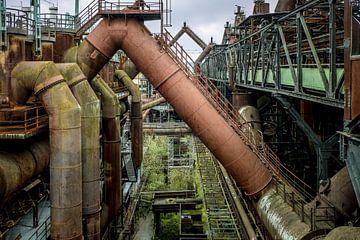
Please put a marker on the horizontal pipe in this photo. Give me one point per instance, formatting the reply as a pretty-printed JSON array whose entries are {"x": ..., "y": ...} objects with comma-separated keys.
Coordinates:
[
  {"x": 17, "y": 168},
  {"x": 153, "y": 103},
  {"x": 45, "y": 81},
  {"x": 168, "y": 131},
  {"x": 90, "y": 146}
]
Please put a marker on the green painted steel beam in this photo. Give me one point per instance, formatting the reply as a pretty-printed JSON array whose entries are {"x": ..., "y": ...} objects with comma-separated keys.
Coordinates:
[
  {"x": 3, "y": 40},
  {"x": 37, "y": 26}
]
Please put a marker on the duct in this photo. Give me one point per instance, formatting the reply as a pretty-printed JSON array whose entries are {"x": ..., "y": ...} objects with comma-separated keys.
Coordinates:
[
  {"x": 111, "y": 150},
  {"x": 90, "y": 146},
  {"x": 279, "y": 218},
  {"x": 168, "y": 131},
  {"x": 179, "y": 91},
  {"x": 153, "y": 103},
  {"x": 285, "y": 5},
  {"x": 46, "y": 82},
  {"x": 204, "y": 53},
  {"x": 250, "y": 117},
  {"x": 16, "y": 169},
  {"x": 136, "y": 126}
]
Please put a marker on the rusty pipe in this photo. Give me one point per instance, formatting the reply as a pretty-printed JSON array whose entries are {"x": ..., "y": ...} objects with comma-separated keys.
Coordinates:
[
  {"x": 168, "y": 131},
  {"x": 136, "y": 127},
  {"x": 188, "y": 101},
  {"x": 44, "y": 80},
  {"x": 17, "y": 168},
  {"x": 111, "y": 150},
  {"x": 90, "y": 146},
  {"x": 153, "y": 103},
  {"x": 204, "y": 53}
]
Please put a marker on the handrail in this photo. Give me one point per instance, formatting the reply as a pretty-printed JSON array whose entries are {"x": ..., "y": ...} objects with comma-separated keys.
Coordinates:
[
  {"x": 92, "y": 12},
  {"x": 230, "y": 114}
]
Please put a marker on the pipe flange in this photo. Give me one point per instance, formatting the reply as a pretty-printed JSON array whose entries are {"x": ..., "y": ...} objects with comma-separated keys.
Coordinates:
[
  {"x": 48, "y": 84},
  {"x": 76, "y": 80}
]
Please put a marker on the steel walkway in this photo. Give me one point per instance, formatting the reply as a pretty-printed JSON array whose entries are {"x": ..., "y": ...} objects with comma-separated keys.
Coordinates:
[{"x": 221, "y": 221}]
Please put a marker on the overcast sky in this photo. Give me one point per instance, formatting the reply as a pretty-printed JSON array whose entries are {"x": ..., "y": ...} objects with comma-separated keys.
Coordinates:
[{"x": 204, "y": 17}]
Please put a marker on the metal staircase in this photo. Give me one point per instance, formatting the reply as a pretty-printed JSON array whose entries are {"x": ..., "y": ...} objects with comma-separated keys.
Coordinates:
[
  {"x": 221, "y": 221},
  {"x": 253, "y": 140}
]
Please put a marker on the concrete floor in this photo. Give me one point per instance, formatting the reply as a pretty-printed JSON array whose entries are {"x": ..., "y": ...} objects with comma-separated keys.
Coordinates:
[{"x": 145, "y": 229}]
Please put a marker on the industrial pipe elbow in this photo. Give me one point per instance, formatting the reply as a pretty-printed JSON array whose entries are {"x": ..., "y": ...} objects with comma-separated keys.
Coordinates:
[
  {"x": 46, "y": 82},
  {"x": 134, "y": 90},
  {"x": 110, "y": 102}
]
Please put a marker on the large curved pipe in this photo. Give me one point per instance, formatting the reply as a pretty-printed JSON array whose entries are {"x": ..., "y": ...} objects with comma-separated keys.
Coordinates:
[
  {"x": 16, "y": 169},
  {"x": 204, "y": 53},
  {"x": 136, "y": 127},
  {"x": 111, "y": 150},
  {"x": 188, "y": 101},
  {"x": 90, "y": 146},
  {"x": 44, "y": 80}
]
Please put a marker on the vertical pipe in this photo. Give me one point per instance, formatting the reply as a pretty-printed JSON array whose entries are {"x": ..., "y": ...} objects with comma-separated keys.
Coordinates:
[
  {"x": 136, "y": 127},
  {"x": 90, "y": 146},
  {"x": 111, "y": 151},
  {"x": 64, "y": 112}
]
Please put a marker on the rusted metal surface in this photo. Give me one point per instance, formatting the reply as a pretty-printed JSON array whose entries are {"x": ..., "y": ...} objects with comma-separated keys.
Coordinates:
[
  {"x": 279, "y": 218},
  {"x": 44, "y": 80},
  {"x": 136, "y": 127},
  {"x": 242, "y": 98},
  {"x": 355, "y": 87},
  {"x": 17, "y": 168},
  {"x": 344, "y": 233},
  {"x": 89, "y": 59},
  {"x": 47, "y": 49},
  {"x": 90, "y": 145},
  {"x": 285, "y": 5},
  {"x": 22, "y": 122},
  {"x": 9, "y": 58},
  {"x": 340, "y": 193},
  {"x": 111, "y": 151},
  {"x": 188, "y": 101},
  {"x": 63, "y": 41}
]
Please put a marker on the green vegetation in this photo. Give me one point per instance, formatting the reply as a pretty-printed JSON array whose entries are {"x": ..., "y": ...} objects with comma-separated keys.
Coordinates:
[
  {"x": 155, "y": 154},
  {"x": 169, "y": 229}
]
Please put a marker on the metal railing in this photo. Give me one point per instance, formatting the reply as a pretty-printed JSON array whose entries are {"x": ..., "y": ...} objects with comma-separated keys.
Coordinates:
[
  {"x": 22, "y": 121},
  {"x": 19, "y": 20},
  {"x": 43, "y": 231},
  {"x": 58, "y": 22},
  {"x": 89, "y": 15},
  {"x": 252, "y": 139}
]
